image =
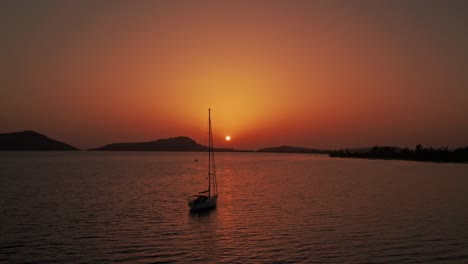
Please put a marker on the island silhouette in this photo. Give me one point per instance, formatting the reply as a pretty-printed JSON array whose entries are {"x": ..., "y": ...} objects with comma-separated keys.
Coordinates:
[
  {"x": 181, "y": 143},
  {"x": 31, "y": 141}
]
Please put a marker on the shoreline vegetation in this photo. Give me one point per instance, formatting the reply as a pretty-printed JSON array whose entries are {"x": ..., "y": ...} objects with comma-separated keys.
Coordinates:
[
  {"x": 459, "y": 155},
  {"x": 33, "y": 141}
]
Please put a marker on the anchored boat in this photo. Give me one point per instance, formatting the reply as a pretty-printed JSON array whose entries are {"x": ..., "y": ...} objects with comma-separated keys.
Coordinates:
[{"x": 207, "y": 199}]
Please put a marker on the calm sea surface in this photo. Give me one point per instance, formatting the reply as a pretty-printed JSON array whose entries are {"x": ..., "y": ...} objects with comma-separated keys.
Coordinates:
[{"x": 130, "y": 207}]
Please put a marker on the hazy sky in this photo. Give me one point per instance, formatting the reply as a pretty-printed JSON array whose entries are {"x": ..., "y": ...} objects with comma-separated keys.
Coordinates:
[{"x": 324, "y": 74}]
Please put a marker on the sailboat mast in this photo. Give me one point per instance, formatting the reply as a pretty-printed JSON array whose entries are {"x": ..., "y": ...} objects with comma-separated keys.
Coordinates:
[{"x": 209, "y": 152}]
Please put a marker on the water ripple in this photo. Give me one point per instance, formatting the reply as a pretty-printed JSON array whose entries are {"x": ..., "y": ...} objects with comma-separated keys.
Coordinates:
[{"x": 131, "y": 208}]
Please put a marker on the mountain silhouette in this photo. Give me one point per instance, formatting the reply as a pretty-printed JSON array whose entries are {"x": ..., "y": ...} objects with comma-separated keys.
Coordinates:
[
  {"x": 31, "y": 140},
  {"x": 168, "y": 144}
]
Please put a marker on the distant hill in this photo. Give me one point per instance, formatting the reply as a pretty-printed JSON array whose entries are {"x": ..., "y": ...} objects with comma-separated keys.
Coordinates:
[
  {"x": 168, "y": 144},
  {"x": 289, "y": 149},
  {"x": 31, "y": 140}
]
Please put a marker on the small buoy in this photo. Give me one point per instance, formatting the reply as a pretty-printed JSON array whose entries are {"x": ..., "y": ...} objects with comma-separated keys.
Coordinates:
[{"x": 196, "y": 160}]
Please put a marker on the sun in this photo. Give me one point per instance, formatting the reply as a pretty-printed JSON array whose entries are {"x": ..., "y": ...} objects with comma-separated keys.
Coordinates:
[{"x": 228, "y": 138}]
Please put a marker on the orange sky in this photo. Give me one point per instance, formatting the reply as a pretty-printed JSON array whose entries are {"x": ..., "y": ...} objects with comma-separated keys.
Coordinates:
[{"x": 321, "y": 74}]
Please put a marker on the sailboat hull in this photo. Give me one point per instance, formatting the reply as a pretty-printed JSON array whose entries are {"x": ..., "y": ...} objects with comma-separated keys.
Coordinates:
[{"x": 202, "y": 202}]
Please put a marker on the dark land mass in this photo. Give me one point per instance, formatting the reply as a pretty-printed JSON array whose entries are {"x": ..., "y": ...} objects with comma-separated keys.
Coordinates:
[
  {"x": 289, "y": 149},
  {"x": 31, "y": 140},
  {"x": 188, "y": 144},
  {"x": 417, "y": 154},
  {"x": 167, "y": 144}
]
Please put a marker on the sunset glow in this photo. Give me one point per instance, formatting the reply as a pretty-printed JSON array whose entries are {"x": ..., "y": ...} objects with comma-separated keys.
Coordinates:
[
  {"x": 228, "y": 138},
  {"x": 304, "y": 73}
]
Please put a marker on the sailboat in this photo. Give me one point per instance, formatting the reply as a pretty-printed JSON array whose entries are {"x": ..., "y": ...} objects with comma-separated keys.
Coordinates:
[{"x": 207, "y": 199}]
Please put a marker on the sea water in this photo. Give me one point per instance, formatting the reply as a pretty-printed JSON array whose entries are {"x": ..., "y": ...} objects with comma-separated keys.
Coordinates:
[{"x": 131, "y": 207}]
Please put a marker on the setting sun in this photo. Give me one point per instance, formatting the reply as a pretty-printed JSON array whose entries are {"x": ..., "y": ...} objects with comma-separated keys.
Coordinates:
[{"x": 228, "y": 138}]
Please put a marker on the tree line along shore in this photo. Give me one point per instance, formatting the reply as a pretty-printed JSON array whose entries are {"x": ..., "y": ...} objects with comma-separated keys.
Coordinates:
[{"x": 417, "y": 154}]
